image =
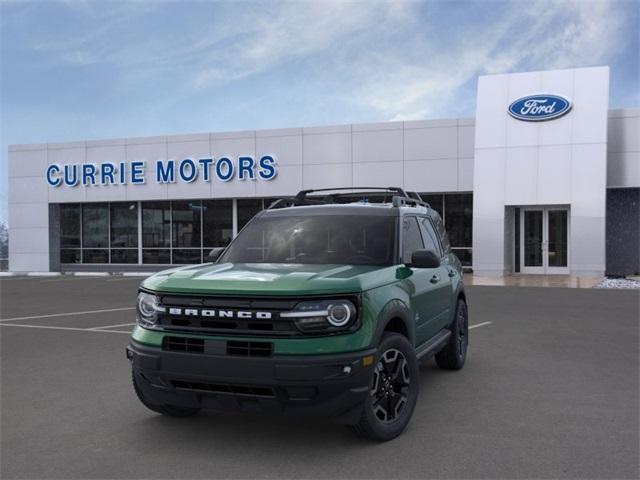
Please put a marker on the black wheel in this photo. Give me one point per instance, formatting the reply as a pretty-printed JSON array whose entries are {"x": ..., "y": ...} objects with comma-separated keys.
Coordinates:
[
  {"x": 454, "y": 354},
  {"x": 393, "y": 392},
  {"x": 169, "y": 410}
]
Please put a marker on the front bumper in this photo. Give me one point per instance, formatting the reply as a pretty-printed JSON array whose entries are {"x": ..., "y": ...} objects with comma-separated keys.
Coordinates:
[{"x": 314, "y": 385}]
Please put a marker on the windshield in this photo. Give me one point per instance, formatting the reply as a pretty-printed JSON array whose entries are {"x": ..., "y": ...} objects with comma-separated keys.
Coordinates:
[{"x": 317, "y": 239}]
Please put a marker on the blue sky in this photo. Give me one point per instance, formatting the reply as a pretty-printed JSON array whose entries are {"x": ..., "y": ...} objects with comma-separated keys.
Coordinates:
[{"x": 75, "y": 70}]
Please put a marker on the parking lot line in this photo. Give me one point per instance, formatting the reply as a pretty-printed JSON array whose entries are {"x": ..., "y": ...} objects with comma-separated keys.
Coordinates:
[
  {"x": 74, "y": 329},
  {"x": 479, "y": 325},
  {"x": 68, "y": 314},
  {"x": 113, "y": 326}
]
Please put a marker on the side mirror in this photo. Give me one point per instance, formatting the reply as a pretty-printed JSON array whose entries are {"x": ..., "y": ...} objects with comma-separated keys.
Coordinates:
[
  {"x": 424, "y": 259},
  {"x": 215, "y": 253}
]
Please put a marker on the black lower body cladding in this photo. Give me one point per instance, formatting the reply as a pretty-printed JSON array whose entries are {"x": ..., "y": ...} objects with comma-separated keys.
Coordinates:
[{"x": 320, "y": 385}]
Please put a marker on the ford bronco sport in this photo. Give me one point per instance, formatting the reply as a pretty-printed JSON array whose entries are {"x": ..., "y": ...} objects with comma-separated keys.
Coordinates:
[{"x": 320, "y": 306}]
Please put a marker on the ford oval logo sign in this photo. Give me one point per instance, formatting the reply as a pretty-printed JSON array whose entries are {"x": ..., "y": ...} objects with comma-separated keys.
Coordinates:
[{"x": 536, "y": 108}]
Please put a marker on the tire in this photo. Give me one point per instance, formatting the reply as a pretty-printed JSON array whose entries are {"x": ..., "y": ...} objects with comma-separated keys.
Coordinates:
[
  {"x": 454, "y": 354},
  {"x": 393, "y": 393},
  {"x": 168, "y": 410}
]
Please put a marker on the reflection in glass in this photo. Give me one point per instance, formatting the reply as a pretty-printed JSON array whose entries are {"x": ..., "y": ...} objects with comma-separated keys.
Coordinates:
[
  {"x": 458, "y": 208},
  {"x": 70, "y": 255},
  {"x": 156, "y": 224},
  {"x": 247, "y": 208},
  {"x": 156, "y": 255},
  {"x": 186, "y": 224},
  {"x": 128, "y": 255},
  {"x": 217, "y": 223},
  {"x": 533, "y": 238},
  {"x": 124, "y": 225},
  {"x": 70, "y": 226},
  {"x": 95, "y": 225},
  {"x": 558, "y": 238},
  {"x": 95, "y": 256}
]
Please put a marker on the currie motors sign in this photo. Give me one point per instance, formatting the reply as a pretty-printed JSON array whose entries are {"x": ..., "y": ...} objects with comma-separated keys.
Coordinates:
[
  {"x": 188, "y": 170},
  {"x": 540, "y": 107}
]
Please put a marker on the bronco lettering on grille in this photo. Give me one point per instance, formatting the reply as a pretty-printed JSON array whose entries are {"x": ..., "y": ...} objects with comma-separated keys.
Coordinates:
[{"x": 241, "y": 314}]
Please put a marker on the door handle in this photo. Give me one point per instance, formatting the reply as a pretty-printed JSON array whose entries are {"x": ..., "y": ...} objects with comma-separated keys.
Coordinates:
[
  {"x": 452, "y": 273},
  {"x": 435, "y": 279}
]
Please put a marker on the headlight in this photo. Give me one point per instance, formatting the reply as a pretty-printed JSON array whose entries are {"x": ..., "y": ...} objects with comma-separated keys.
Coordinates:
[
  {"x": 323, "y": 316},
  {"x": 148, "y": 307}
]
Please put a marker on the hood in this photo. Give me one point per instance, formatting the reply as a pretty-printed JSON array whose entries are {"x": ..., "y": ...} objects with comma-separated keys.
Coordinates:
[{"x": 270, "y": 279}]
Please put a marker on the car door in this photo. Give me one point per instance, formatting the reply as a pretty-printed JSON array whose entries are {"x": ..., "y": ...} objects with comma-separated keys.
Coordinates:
[
  {"x": 420, "y": 284},
  {"x": 439, "y": 301}
]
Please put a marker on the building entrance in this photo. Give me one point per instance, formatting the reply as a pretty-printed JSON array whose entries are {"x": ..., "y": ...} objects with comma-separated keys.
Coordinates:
[{"x": 543, "y": 240}]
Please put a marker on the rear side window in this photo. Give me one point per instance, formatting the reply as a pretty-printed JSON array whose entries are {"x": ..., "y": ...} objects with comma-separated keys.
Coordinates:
[
  {"x": 442, "y": 233},
  {"x": 411, "y": 238},
  {"x": 430, "y": 237}
]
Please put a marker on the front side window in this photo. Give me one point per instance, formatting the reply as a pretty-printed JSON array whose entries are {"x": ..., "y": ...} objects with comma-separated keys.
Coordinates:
[
  {"x": 430, "y": 237},
  {"x": 316, "y": 239},
  {"x": 411, "y": 238}
]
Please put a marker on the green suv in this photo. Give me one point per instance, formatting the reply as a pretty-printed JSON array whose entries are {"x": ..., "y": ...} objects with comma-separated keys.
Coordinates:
[{"x": 322, "y": 305}]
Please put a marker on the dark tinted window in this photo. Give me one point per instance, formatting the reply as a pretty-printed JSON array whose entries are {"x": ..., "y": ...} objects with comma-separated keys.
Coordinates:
[
  {"x": 70, "y": 226},
  {"x": 430, "y": 237},
  {"x": 124, "y": 225},
  {"x": 95, "y": 227},
  {"x": 459, "y": 218},
  {"x": 247, "y": 208},
  {"x": 217, "y": 223},
  {"x": 156, "y": 224},
  {"x": 442, "y": 233},
  {"x": 318, "y": 239},
  {"x": 186, "y": 224},
  {"x": 435, "y": 200},
  {"x": 411, "y": 238}
]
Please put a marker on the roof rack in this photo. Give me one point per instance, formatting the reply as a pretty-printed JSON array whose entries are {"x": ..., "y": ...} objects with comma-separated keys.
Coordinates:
[{"x": 399, "y": 196}]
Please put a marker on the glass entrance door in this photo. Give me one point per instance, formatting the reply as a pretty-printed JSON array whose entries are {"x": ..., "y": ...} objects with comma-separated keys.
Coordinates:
[{"x": 544, "y": 240}]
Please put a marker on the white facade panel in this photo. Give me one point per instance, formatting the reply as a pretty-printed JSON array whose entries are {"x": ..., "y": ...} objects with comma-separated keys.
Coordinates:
[
  {"x": 322, "y": 149},
  {"x": 591, "y": 105},
  {"x": 27, "y": 163},
  {"x": 430, "y": 143},
  {"x": 195, "y": 150},
  {"x": 28, "y": 215},
  {"x": 378, "y": 145},
  {"x": 327, "y": 176},
  {"x": 465, "y": 174},
  {"x": 554, "y": 175},
  {"x": 378, "y": 173},
  {"x": 30, "y": 240},
  {"x": 491, "y": 122},
  {"x": 287, "y": 149},
  {"x": 27, "y": 190},
  {"x": 431, "y": 175},
  {"x": 521, "y": 176}
]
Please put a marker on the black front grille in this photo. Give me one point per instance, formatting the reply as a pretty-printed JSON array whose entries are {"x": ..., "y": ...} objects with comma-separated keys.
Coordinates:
[
  {"x": 228, "y": 389},
  {"x": 183, "y": 344},
  {"x": 249, "y": 349}
]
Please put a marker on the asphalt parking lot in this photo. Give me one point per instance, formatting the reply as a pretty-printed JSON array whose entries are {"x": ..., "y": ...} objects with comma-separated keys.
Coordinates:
[{"x": 550, "y": 390}]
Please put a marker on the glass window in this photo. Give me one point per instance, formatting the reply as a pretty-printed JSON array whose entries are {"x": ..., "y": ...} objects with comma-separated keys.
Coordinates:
[
  {"x": 95, "y": 226},
  {"x": 185, "y": 218},
  {"x": 247, "y": 208},
  {"x": 429, "y": 235},
  {"x": 187, "y": 255},
  {"x": 124, "y": 225},
  {"x": 95, "y": 256},
  {"x": 459, "y": 218},
  {"x": 156, "y": 225},
  {"x": 70, "y": 256},
  {"x": 411, "y": 238},
  {"x": 156, "y": 255},
  {"x": 217, "y": 223},
  {"x": 128, "y": 255},
  {"x": 442, "y": 234},
  {"x": 435, "y": 200},
  {"x": 464, "y": 255},
  {"x": 316, "y": 239},
  {"x": 70, "y": 226}
]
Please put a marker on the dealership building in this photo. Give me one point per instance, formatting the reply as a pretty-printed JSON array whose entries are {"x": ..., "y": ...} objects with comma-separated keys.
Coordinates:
[{"x": 544, "y": 180}]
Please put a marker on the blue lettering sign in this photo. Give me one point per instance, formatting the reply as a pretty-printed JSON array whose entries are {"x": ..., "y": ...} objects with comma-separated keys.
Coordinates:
[
  {"x": 137, "y": 173},
  {"x": 267, "y": 168},
  {"x": 189, "y": 174},
  {"x": 165, "y": 174},
  {"x": 224, "y": 169},
  {"x": 51, "y": 180}
]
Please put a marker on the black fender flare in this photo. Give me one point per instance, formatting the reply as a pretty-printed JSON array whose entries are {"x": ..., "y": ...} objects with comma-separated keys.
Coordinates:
[{"x": 395, "y": 309}]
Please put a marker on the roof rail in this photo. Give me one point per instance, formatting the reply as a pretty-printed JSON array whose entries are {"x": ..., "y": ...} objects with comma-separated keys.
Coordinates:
[{"x": 399, "y": 196}]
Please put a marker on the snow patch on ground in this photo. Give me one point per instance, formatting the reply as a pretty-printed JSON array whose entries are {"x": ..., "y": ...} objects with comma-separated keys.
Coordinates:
[{"x": 618, "y": 283}]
